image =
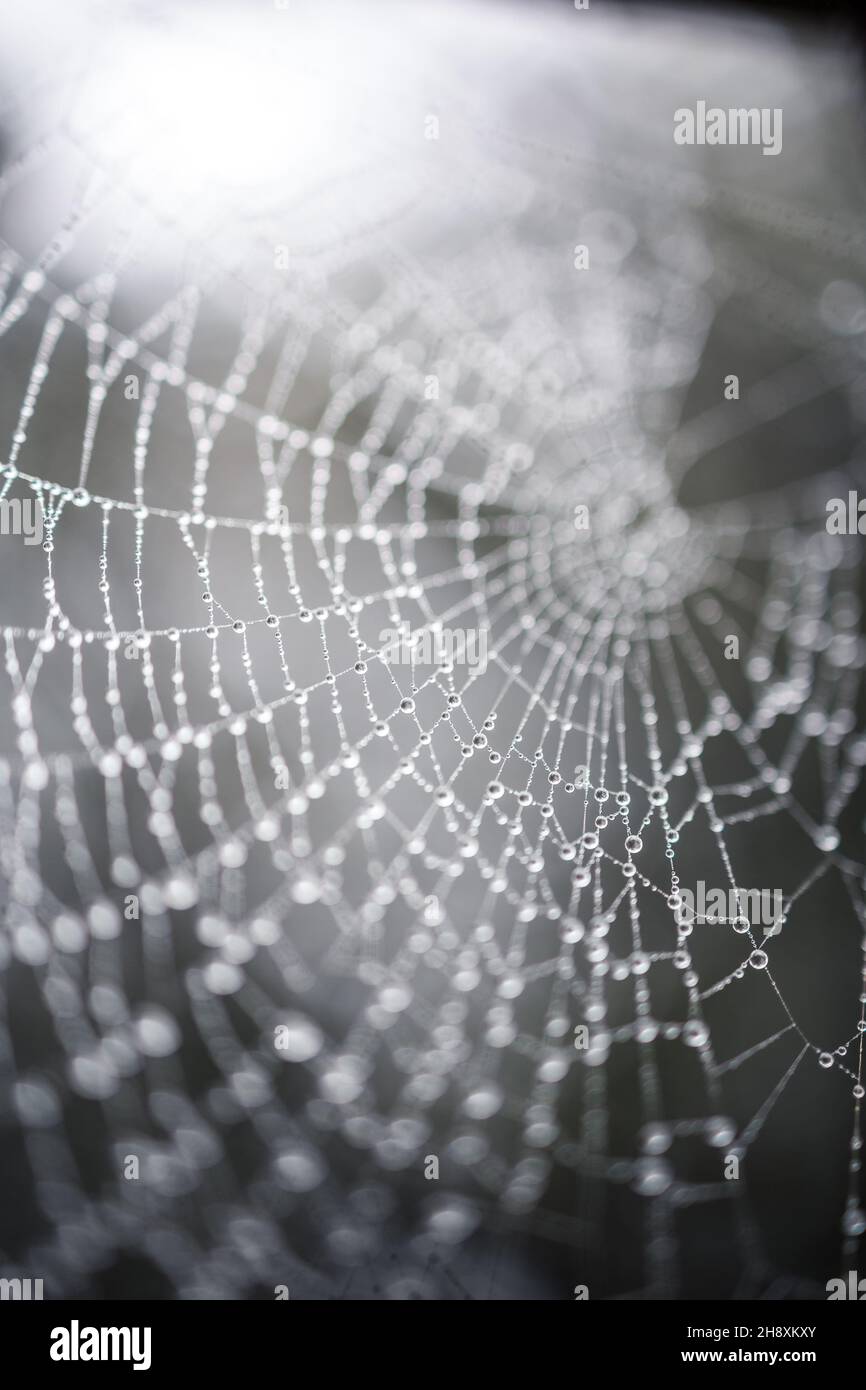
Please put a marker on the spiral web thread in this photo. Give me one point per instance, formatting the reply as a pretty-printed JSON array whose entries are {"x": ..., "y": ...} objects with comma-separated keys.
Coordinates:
[{"x": 399, "y": 866}]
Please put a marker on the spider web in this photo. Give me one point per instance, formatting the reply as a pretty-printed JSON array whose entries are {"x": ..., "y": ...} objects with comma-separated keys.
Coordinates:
[{"x": 229, "y": 812}]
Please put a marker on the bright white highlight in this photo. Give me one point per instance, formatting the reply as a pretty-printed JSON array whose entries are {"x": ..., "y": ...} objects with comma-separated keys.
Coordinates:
[{"x": 219, "y": 109}]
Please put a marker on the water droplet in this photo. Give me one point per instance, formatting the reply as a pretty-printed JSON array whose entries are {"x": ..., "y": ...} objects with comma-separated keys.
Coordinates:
[
  {"x": 300, "y": 1169},
  {"x": 720, "y": 1132},
  {"x": 827, "y": 838},
  {"x": 854, "y": 1222},
  {"x": 484, "y": 1101},
  {"x": 652, "y": 1177},
  {"x": 453, "y": 1220},
  {"x": 298, "y": 1039},
  {"x": 695, "y": 1033},
  {"x": 306, "y": 890},
  {"x": 157, "y": 1034}
]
